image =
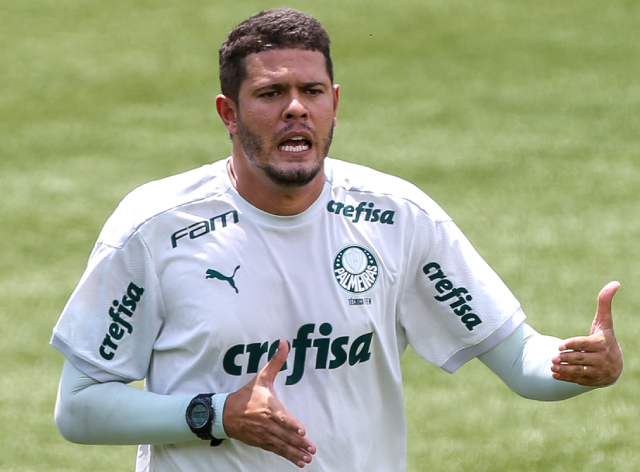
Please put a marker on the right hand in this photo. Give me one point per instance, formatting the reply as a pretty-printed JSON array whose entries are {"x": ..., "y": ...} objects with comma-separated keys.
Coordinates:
[{"x": 256, "y": 417}]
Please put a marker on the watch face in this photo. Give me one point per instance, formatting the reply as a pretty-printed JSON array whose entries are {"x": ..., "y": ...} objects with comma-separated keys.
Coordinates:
[{"x": 199, "y": 415}]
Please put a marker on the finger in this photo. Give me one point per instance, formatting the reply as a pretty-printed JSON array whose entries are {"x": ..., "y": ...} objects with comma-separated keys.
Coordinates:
[
  {"x": 576, "y": 358},
  {"x": 579, "y": 344},
  {"x": 577, "y": 379},
  {"x": 298, "y": 456},
  {"x": 593, "y": 343},
  {"x": 573, "y": 370},
  {"x": 296, "y": 444},
  {"x": 277, "y": 438},
  {"x": 291, "y": 430},
  {"x": 270, "y": 371},
  {"x": 603, "y": 319}
]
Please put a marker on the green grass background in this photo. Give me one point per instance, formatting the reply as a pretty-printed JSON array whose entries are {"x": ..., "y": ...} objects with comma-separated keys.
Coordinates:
[{"x": 520, "y": 118}]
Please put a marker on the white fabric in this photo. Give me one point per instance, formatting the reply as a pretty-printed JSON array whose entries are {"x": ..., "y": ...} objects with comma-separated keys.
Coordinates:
[{"x": 190, "y": 287}]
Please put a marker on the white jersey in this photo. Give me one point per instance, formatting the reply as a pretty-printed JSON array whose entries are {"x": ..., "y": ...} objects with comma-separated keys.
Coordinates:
[{"x": 190, "y": 287}]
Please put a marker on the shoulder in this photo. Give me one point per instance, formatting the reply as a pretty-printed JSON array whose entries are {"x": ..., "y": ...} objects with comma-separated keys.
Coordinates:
[
  {"x": 356, "y": 180},
  {"x": 160, "y": 197}
]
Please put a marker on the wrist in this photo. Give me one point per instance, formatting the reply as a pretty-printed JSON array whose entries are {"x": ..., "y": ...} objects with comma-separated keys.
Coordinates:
[{"x": 217, "y": 427}]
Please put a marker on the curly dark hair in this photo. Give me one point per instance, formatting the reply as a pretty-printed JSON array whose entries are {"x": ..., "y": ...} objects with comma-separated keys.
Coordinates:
[{"x": 282, "y": 28}]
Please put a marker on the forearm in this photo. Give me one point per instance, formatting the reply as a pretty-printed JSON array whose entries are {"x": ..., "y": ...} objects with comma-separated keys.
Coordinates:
[
  {"x": 90, "y": 412},
  {"x": 523, "y": 362}
]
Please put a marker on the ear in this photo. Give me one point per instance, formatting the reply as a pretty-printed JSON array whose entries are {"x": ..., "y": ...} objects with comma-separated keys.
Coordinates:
[
  {"x": 336, "y": 100},
  {"x": 228, "y": 112}
]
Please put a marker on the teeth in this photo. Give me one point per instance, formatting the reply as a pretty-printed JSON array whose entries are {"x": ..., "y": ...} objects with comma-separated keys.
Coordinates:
[{"x": 302, "y": 147}]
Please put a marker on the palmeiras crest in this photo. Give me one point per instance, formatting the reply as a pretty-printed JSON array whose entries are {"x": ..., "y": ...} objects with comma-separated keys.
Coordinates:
[{"x": 355, "y": 269}]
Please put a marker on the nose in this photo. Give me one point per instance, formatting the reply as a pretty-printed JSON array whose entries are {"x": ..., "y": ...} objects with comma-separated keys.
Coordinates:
[{"x": 295, "y": 110}]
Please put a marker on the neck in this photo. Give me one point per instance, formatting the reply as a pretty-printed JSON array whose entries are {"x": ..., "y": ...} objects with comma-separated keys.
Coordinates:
[{"x": 269, "y": 196}]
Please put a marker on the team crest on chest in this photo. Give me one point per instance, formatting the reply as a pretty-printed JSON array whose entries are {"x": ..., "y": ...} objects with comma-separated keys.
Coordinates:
[{"x": 355, "y": 269}]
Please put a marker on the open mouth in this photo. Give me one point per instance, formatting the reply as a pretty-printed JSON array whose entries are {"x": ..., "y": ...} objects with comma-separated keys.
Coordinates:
[{"x": 295, "y": 144}]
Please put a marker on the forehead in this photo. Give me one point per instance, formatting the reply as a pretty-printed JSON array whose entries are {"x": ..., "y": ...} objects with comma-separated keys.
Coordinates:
[{"x": 285, "y": 65}]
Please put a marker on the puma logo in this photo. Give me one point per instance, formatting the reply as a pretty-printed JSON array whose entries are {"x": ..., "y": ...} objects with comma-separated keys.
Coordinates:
[{"x": 214, "y": 274}]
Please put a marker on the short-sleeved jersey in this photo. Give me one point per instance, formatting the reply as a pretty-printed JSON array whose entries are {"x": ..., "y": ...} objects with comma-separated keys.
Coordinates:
[{"x": 190, "y": 287}]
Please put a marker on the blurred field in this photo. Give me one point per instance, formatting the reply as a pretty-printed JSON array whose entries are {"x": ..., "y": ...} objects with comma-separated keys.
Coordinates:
[{"x": 522, "y": 119}]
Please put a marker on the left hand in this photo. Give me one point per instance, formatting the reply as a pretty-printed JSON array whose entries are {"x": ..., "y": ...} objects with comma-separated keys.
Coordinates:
[{"x": 595, "y": 359}]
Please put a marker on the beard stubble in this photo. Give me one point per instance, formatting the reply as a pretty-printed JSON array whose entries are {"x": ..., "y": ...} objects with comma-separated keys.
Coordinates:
[{"x": 253, "y": 146}]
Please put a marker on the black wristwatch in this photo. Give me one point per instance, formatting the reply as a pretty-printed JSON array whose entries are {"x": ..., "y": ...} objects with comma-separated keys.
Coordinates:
[{"x": 200, "y": 416}]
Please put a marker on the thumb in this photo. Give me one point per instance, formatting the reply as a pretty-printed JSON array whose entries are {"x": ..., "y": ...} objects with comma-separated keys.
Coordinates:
[
  {"x": 269, "y": 371},
  {"x": 604, "y": 319}
]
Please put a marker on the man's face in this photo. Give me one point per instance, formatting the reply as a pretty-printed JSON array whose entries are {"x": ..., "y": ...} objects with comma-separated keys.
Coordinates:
[{"x": 285, "y": 114}]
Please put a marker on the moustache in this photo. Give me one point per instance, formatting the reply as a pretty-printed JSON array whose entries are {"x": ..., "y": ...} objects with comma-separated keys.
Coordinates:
[{"x": 289, "y": 127}]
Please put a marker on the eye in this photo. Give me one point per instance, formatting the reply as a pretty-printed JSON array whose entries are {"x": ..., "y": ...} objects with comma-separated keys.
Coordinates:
[{"x": 314, "y": 92}]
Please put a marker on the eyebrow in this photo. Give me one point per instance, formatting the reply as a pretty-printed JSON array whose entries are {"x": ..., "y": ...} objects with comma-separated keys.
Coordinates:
[{"x": 280, "y": 86}]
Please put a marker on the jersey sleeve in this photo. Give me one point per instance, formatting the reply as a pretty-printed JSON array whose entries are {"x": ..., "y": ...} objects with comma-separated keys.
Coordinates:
[
  {"x": 453, "y": 307},
  {"x": 110, "y": 323}
]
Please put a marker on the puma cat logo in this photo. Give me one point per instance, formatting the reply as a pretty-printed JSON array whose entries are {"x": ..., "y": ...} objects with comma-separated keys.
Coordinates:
[{"x": 214, "y": 274}]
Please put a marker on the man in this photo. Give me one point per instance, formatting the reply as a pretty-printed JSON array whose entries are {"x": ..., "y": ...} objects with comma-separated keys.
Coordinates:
[{"x": 288, "y": 284}]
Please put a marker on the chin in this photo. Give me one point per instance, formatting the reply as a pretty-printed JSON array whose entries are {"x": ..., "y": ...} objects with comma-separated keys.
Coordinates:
[{"x": 294, "y": 176}]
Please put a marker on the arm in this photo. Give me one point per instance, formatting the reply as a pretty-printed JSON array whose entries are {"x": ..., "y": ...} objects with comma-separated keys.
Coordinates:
[
  {"x": 546, "y": 368},
  {"x": 91, "y": 412}
]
